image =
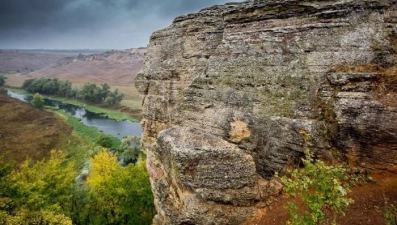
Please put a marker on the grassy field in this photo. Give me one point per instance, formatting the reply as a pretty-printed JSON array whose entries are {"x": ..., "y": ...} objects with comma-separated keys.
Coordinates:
[
  {"x": 15, "y": 80},
  {"x": 132, "y": 98},
  {"x": 112, "y": 113}
]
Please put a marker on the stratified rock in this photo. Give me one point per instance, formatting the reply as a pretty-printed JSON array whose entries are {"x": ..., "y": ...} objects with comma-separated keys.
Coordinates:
[{"x": 230, "y": 92}]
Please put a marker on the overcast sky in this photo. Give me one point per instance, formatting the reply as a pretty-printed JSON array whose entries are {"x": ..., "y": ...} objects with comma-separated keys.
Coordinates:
[{"x": 88, "y": 24}]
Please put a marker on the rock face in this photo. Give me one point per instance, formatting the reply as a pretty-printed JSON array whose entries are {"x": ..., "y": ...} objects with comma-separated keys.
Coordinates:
[{"x": 228, "y": 91}]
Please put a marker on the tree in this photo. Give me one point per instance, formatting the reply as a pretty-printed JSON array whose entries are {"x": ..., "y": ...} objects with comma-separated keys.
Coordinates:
[
  {"x": 50, "y": 86},
  {"x": 104, "y": 91},
  {"x": 38, "y": 193},
  {"x": 120, "y": 195},
  {"x": 321, "y": 188},
  {"x": 3, "y": 91},
  {"x": 131, "y": 148},
  {"x": 90, "y": 92},
  {"x": 2, "y": 80},
  {"x": 114, "y": 98},
  {"x": 38, "y": 101},
  {"x": 46, "y": 184},
  {"x": 108, "y": 141},
  {"x": 105, "y": 141},
  {"x": 65, "y": 89},
  {"x": 27, "y": 83},
  {"x": 6, "y": 190}
]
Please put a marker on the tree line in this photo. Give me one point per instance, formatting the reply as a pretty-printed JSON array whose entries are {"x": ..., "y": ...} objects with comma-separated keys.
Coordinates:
[{"x": 90, "y": 92}]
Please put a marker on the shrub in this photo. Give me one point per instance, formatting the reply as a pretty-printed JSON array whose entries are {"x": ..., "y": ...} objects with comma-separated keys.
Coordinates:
[
  {"x": 105, "y": 141},
  {"x": 321, "y": 188},
  {"x": 3, "y": 91},
  {"x": 38, "y": 101},
  {"x": 390, "y": 214}
]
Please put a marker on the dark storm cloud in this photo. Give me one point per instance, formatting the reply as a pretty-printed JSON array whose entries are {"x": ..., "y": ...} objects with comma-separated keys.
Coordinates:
[{"x": 88, "y": 23}]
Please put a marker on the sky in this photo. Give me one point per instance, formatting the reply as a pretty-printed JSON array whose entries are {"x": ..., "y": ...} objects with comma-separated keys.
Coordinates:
[{"x": 88, "y": 24}]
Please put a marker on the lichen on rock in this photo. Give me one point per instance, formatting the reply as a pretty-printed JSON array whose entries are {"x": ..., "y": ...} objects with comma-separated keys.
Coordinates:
[{"x": 226, "y": 92}]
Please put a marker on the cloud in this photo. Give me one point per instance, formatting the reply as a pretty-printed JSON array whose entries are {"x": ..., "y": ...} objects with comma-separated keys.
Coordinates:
[{"x": 88, "y": 23}]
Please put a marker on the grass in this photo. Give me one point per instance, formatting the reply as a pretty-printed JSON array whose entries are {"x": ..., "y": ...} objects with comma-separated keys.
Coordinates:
[
  {"x": 89, "y": 133},
  {"x": 111, "y": 113},
  {"x": 77, "y": 148},
  {"x": 15, "y": 80},
  {"x": 27, "y": 132},
  {"x": 131, "y": 104},
  {"x": 131, "y": 97}
]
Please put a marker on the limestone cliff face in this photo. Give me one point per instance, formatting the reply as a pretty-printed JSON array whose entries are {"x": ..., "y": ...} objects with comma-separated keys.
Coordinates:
[{"x": 228, "y": 90}]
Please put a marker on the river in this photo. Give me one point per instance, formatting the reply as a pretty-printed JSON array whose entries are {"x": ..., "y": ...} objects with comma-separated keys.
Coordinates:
[{"x": 113, "y": 127}]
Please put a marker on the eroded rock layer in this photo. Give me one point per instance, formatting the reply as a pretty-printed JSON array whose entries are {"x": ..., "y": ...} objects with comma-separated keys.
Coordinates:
[{"x": 230, "y": 92}]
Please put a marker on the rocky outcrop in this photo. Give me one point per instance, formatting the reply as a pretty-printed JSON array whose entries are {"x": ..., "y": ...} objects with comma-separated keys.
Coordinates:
[{"x": 228, "y": 91}]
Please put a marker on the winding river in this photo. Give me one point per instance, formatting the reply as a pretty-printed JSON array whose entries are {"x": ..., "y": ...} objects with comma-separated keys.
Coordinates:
[{"x": 113, "y": 127}]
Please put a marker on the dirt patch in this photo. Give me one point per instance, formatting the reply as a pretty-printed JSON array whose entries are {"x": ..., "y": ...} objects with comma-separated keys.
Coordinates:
[
  {"x": 370, "y": 202},
  {"x": 27, "y": 132}
]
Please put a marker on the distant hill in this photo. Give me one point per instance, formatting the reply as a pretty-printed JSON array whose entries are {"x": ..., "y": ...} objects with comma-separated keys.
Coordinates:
[
  {"x": 117, "y": 68},
  {"x": 17, "y": 61}
]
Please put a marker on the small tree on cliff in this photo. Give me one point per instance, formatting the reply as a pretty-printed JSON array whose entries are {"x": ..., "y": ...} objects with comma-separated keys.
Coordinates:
[{"x": 321, "y": 188}]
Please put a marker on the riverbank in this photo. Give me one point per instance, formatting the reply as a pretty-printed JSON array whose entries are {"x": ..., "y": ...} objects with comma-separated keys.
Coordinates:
[
  {"x": 88, "y": 132},
  {"x": 117, "y": 113}
]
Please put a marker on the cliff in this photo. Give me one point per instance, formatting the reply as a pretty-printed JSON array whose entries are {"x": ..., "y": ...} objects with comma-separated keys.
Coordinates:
[{"x": 227, "y": 91}]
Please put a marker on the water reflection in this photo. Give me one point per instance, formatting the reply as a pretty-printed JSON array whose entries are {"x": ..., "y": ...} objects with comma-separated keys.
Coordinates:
[
  {"x": 23, "y": 98},
  {"x": 113, "y": 127}
]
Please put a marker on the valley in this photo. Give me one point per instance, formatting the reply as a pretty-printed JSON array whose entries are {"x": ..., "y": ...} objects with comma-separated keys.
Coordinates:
[
  {"x": 117, "y": 68},
  {"x": 63, "y": 159}
]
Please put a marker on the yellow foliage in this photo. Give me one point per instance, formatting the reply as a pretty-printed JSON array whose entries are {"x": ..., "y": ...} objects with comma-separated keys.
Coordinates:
[
  {"x": 103, "y": 166},
  {"x": 46, "y": 184},
  {"x": 24, "y": 216},
  {"x": 121, "y": 195}
]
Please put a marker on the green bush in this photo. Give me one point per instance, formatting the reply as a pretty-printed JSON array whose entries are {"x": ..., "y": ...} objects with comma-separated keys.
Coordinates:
[
  {"x": 38, "y": 101},
  {"x": 2, "y": 80},
  {"x": 3, "y": 91},
  {"x": 390, "y": 214},
  {"x": 105, "y": 141},
  {"x": 321, "y": 188}
]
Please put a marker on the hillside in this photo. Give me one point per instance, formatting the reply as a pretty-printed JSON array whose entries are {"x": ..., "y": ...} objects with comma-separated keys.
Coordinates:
[
  {"x": 117, "y": 68},
  {"x": 16, "y": 61},
  {"x": 27, "y": 132}
]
